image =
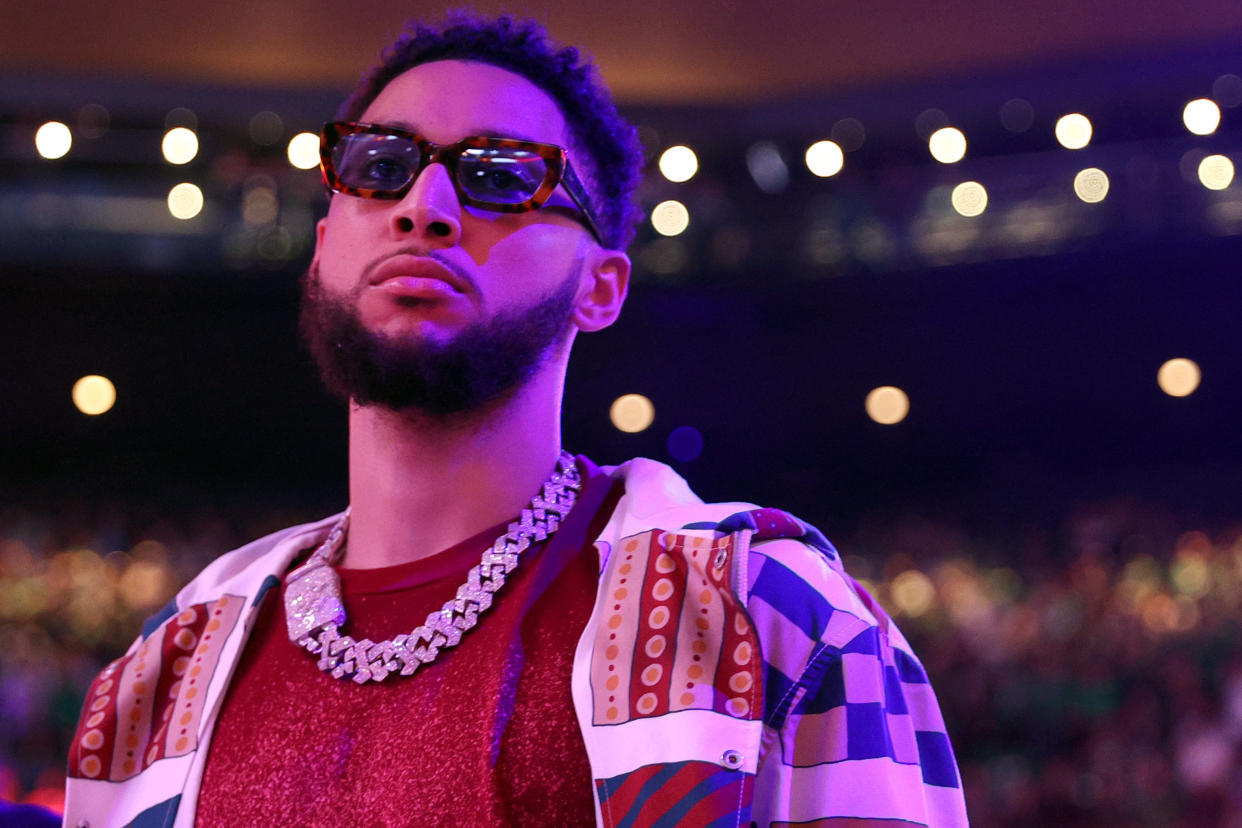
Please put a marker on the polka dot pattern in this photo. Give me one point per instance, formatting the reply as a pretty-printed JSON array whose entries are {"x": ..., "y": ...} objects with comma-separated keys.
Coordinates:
[
  {"x": 93, "y": 739},
  {"x": 703, "y": 615},
  {"x": 184, "y": 694},
  {"x": 614, "y": 650},
  {"x": 672, "y": 635},
  {"x": 740, "y": 678},
  {"x": 132, "y": 703},
  {"x": 91, "y": 750},
  {"x": 664, "y": 584}
]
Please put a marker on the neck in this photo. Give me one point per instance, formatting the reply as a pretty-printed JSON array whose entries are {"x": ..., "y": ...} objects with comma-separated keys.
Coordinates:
[{"x": 418, "y": 486}]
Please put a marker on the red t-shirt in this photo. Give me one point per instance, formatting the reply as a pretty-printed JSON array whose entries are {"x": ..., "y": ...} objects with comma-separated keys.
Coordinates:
[{"x": 484, "y": 735}]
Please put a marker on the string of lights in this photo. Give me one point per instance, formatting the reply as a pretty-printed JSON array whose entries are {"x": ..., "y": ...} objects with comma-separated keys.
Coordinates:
[{"x": 867, "y": 194}]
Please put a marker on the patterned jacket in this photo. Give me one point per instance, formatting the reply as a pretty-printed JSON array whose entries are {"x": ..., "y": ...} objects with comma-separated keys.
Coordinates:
[{"x": 731, "y": 674}]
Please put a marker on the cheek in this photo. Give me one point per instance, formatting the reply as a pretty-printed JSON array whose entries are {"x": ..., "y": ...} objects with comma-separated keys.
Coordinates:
[
  {"x": 353, "y": 223},
  {"x": 538, "y": 254},
  {"x": 347, "y": 238}
]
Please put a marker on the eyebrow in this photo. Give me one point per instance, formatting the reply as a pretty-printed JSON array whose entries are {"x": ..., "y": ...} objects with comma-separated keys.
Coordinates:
[{"x": 482, "y": 131}]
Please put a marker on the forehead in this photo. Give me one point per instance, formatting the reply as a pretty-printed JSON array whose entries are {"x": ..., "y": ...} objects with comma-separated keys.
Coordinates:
[{"x": 449, "y": 99}]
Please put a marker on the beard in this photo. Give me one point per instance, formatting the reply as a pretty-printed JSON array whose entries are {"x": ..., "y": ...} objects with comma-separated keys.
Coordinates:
[{"x": 482, "y": 365}]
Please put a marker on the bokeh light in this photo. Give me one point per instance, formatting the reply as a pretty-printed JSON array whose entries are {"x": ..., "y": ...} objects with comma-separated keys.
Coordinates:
[
  {"x": 1190, "y": 574},
  {"x": 181, "y": 116},
  {"x": 260, "y": 206},
  {"x": 1073, "y": 131},
  {"x": 93, "y": 120},
  {"x": 1188, "y": 164},
  {"x": 913, "y": 593},
  {"x": 185, "y": 201},
  {"x": 1017, "y": 115},
  {"x": 1227, "y": 90},
  {"x": 93, "y": 394},
  {"x": 632, "y": 413},
  {"x": 1216, "y": 172},
  {"x": 1201, "y": 116},
  {"x": 849, "y": 133},
  {"x": 1179, "y": 377},
  {"x": 53, "y": 140},
  {"x": 887, "y": 405},
  {"x": 1091, "y": 185},
  {"x": 670, "y": 218},
  {"x": 679, "y": 164},
  {"x": 928, "y": 121},
  {"x": 825, "y": 158},
  {"x": 947, "y": 145},
  {"x": 304, "y": 150},
  {"x": 685, "y": 443},
  {"x": 767, "y": 167},
  {"x": 180, "y": 145},
  {"x": 266, "y": 128},
  {"x": 143, "y": 584},
  {"x": 969, "y": 199}
]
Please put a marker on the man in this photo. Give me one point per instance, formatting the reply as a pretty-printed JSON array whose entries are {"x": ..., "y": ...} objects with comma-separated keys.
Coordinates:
[{"x": 621, "y": 654}]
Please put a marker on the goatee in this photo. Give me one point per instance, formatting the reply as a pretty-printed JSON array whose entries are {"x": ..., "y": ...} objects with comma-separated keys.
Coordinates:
[{"x": 483, "y": 364}]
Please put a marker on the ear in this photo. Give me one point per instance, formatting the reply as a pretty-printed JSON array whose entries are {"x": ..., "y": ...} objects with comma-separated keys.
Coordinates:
[
  {"x": 321, "y": 227},
  {"x": 605, "y": 283}
]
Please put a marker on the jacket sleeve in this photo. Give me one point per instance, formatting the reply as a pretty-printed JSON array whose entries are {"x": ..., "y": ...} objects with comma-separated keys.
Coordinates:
[{"x": 853, "y": 734}]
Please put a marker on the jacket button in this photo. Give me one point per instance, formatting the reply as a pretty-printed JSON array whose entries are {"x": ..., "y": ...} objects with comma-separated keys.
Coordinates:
[{"x": 732, "y": 759}]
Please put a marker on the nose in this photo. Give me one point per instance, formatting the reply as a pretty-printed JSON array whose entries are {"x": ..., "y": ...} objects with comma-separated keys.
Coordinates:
[{"x": 430, "y": 210}]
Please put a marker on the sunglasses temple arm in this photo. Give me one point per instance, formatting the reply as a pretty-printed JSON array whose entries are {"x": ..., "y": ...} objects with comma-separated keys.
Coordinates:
[{"x": 573, "y": 186}]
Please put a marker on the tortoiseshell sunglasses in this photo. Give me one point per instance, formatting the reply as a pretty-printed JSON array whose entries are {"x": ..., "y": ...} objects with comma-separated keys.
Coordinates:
[{"x": 501, "y": 174}]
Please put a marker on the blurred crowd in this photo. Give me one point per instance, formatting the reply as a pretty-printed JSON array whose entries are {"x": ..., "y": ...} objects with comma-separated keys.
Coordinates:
[{"x": 1089, "y": 671}]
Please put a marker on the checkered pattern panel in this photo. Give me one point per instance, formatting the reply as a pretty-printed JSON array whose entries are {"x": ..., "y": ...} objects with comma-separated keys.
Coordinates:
[
  {"x": 841, "y": 685},
  {"x": 866, "y": 706},
  {"x": 793, "y": 598}
]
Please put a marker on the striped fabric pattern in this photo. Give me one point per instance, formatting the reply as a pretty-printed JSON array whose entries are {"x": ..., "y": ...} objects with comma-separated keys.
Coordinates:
[
  {"x": 675, "y": 795},
  {"x": 674, "y": 636},
  {"x": 147, "y": 705}
]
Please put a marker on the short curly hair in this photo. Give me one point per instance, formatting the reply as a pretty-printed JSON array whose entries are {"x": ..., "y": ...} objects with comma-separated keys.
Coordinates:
[{"x": 610, "y": 143}]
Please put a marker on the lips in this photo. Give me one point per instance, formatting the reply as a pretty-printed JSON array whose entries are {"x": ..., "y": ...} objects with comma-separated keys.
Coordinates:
[{"x": 417, "y": 276}]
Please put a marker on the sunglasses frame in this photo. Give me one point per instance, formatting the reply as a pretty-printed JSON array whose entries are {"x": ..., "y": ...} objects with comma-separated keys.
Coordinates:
[{"x": 559, "y": 169}]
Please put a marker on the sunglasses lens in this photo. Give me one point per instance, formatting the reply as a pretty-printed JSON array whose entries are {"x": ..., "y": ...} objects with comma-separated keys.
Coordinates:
[
  {"x": 501, "y": 175},
  {"x": 375, "y": 162}
]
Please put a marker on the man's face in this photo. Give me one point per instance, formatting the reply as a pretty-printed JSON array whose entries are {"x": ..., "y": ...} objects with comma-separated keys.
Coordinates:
[{"x": 423, "y": 283}]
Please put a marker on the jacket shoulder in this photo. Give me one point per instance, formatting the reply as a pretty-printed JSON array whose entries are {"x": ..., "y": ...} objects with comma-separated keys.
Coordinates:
[
  {"x": 808, "y": 591},
  {"x": 293, "y": 538},
  {"x": 243, "y": 570}
]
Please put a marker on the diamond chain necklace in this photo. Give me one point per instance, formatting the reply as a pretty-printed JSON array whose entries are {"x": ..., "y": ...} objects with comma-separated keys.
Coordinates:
[{"x": 314, "y": 611}]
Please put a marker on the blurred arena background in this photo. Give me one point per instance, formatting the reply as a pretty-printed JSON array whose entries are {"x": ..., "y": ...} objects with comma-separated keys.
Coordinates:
[{"x": 957, "y": 283}]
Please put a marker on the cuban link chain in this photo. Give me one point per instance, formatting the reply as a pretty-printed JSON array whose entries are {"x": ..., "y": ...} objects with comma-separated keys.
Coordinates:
[{"x": 315, "y": 614}]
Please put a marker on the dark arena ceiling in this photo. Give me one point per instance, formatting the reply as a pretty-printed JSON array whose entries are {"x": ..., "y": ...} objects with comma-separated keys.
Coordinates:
[{"x": 689, "y": 51}]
